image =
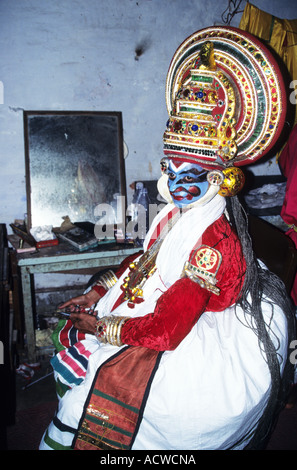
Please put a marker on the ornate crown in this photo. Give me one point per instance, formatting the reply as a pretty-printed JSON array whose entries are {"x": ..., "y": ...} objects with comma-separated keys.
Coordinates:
[{"x": 226, "y": 99}]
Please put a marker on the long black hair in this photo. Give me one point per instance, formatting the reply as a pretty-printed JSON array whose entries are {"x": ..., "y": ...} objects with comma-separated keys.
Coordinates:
[{"x": 261, "y": 285}]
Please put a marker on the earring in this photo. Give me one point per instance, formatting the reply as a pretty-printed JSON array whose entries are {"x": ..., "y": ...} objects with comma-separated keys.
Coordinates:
[
  {"x": 164, "y": 163},
  {"x": 215, "y": 177},
  {"x": 233, "y": 182}
]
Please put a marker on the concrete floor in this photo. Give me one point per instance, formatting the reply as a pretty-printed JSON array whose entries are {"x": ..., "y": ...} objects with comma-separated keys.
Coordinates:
[{"x": 41, "y": 389}]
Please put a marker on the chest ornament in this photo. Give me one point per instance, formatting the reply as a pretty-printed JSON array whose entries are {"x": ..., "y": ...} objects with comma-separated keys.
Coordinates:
[{"x": 144, "y": 268}]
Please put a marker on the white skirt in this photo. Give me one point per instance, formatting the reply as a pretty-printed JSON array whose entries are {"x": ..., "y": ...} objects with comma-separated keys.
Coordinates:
[{"x": 207, "y": 394}]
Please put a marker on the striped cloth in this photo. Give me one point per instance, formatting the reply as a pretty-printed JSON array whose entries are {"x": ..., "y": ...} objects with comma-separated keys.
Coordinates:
[{"x": 71, "y": 361}]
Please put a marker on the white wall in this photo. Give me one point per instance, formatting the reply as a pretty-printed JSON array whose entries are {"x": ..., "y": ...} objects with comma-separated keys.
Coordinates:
[{"x": 80, "y": 55}]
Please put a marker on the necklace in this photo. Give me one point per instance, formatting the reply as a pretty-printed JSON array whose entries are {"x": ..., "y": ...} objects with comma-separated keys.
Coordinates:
[{"x": 145, "y": 267}]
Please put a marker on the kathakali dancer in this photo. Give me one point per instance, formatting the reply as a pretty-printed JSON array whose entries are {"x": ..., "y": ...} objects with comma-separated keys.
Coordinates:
[{"x": 189, "y": 344}]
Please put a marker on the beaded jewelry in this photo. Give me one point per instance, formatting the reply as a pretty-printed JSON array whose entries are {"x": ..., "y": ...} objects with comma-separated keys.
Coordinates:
[{"x": 144, "y": 268}]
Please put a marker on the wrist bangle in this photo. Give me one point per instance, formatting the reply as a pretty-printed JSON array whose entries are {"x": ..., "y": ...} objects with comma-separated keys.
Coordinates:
[
  {"x": 107, "y": 280},
  {"x": 108, "y": 330}
]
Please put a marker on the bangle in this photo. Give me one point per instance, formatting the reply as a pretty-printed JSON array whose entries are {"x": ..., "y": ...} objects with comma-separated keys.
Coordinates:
[
  {"x": 100, "y": 332},
  {"x": 121, "y": 324},
  {"x": 108, "y": 330},
  {"x": 107, "y": 280}
]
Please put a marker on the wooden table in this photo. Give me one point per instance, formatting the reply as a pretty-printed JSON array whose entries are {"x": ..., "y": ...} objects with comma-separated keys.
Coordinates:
[{"x": 60, "y": 258}]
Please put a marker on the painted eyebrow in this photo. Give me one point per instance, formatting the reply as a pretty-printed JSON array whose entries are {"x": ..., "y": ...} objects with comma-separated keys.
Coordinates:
[{"x": 193, "y": 171}]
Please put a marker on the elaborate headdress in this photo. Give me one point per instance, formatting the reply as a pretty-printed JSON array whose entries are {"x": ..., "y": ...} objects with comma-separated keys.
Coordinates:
[
  {"x": 226, "y": 102},
  {"x": 227, "y": 105}
]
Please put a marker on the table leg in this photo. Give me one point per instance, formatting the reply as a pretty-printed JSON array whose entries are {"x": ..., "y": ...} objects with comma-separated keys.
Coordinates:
[{"x": 28, "y": 314}]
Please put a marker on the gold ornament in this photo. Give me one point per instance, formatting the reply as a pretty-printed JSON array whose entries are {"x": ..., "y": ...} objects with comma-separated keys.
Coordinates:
[
  {"x": 233, "y": 181},
  {"x": 109, "y": 329},
  {"x": 226, "y": 99}
]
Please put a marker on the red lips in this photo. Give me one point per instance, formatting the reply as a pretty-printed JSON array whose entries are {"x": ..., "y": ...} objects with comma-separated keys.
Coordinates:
[{"x": 193, "y": 191}]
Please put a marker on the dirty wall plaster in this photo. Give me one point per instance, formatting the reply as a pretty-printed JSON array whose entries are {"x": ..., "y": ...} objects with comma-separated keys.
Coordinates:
[{"x": 95, "y": 55}]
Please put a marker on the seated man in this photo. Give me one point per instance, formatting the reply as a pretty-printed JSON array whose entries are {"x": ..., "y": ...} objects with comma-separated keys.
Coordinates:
[{"x": 188, "y": 344}]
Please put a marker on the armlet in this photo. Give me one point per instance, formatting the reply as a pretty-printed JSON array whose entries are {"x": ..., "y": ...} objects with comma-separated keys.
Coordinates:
[
  {"x": 203, "y": 266},
  {"x": 107, "y": 280}
]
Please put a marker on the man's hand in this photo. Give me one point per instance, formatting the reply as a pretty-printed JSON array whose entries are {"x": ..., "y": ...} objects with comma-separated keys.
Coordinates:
[
  {"x": 85, "y": 301},
  {"x": 84, "y": 322}
]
